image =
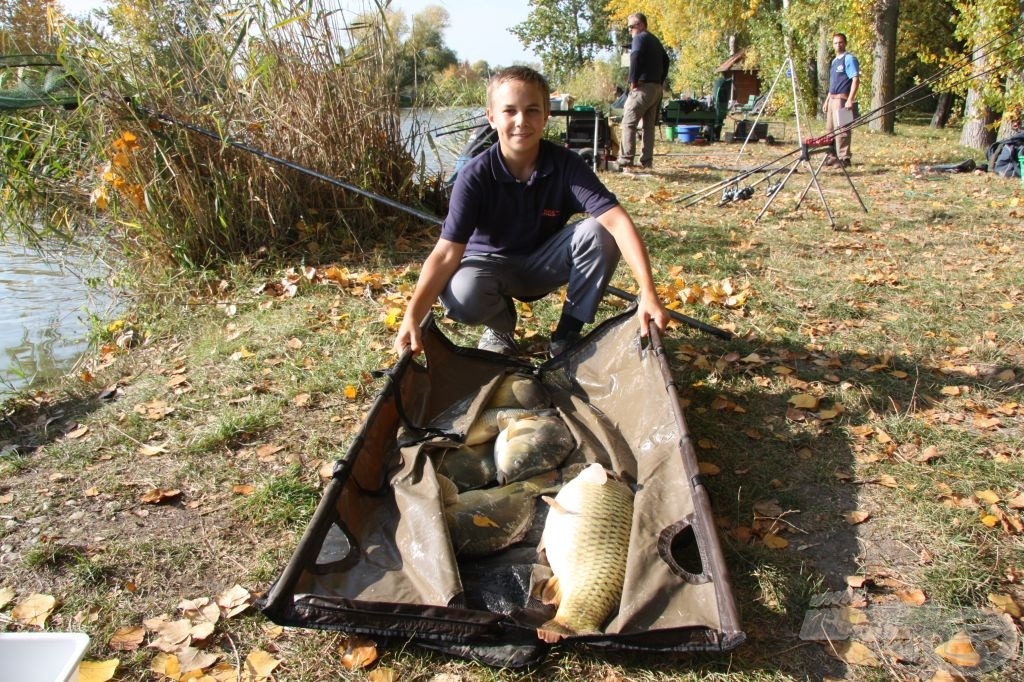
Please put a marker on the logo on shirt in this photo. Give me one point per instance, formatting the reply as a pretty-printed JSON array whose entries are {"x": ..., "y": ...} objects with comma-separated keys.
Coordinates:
[{"x": 550, "y": 213}]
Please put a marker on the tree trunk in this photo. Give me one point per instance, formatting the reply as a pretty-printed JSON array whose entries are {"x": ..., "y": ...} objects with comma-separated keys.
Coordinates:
[
  {"x": 978, "y": 116},
  {"x": 943, "y": 107},
  {"x": 824, "y": 41},
  {"x": 883, "y": 78}
]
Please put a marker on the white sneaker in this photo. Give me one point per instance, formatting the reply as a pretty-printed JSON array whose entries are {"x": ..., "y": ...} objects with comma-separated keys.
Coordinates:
[{"x": 497, "y": 342}]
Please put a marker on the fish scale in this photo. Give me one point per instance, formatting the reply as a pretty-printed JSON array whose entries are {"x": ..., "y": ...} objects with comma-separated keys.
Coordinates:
[{"x": 586, "y": 539}]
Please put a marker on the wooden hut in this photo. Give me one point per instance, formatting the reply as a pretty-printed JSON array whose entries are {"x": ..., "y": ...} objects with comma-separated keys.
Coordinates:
[{"x": 745, "y": 84}]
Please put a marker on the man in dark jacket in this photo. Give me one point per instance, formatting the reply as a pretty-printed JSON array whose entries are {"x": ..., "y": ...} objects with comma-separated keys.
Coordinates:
[{"x": 648, "y": 68}]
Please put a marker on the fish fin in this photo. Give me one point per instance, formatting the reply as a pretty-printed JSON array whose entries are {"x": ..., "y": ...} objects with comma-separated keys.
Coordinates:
[
  {"x": 551, "y": 592},
  {"x": 555, "y": 506},
  {"x": 594, "y": 473},
  {"x": 552, "y": 632}
]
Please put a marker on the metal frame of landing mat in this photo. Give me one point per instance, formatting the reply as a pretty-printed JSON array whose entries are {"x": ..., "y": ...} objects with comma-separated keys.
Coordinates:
[{"x": 679, "y": 598}]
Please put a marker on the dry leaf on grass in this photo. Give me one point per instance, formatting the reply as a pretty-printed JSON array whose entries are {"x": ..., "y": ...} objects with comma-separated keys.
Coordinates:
[
  {"x": 357, "y": 653},
  {"x": 97, "y": 671},
  {"x": 191, "y": 658},
  {"x": 382, "y": 675},
  {"x": 34, "y": 610},
  {"x": 127, "y": 638},
  {"x": 774, "y": 541},
  {"x": 234, "y": 600},
  {"x": 159, "y": 495},
  {"x": 856, "y": 516},
  {"x": 1005, "y": 603},
  {"x": 915, "y": 596},
  {"x": 77, "y": 433},
  {"x": 259, "y": 665},
  {"x": 709, "y": 469},
  {"x": 6, "y": 595}
]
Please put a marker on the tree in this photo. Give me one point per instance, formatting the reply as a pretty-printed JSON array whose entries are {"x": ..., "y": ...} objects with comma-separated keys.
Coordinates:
[
  {"x": 565, "y": 33},
  {"x": 883, "y": 77},
  {"x": 24, "y": 26},
  {"x": 991, "y": 30}
]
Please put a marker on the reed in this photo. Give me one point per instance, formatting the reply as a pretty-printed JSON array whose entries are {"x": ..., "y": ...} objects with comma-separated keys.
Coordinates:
[{"x": 301, "y": 81}]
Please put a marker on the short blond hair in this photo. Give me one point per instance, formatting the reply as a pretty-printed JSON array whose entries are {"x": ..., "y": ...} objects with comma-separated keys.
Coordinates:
[{"x": 523, "y": 74}]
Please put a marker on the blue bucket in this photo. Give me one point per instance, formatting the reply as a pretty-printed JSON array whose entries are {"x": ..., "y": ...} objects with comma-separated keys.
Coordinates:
[{"x": 688, "y": 133}]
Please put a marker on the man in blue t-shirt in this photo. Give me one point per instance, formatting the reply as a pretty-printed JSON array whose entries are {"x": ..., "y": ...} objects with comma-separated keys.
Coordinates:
[
  {"x": 506, "y": 234},
  {"x": 648, "y": 68},
  {"x": 840, "y": 105}
]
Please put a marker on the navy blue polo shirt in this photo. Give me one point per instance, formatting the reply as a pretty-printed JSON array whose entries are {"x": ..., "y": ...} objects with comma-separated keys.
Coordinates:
[
  {"x": 492, "y": 212},
  {"x": 841, "y": 74}
]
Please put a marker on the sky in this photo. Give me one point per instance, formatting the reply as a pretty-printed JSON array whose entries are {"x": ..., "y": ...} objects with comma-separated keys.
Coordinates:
[{"x": 478, "y": 28}]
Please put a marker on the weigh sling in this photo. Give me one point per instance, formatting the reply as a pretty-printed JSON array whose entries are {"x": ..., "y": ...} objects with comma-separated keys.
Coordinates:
[{"x": 378, "y": 556}]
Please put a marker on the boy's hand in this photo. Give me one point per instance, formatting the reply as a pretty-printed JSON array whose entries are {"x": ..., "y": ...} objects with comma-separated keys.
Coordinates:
[
  {"x": 408, "y": 337},
  {"x": 651, "y": 310}
]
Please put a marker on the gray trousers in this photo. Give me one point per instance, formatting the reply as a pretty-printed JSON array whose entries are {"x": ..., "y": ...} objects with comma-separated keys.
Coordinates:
[
  {"x": 641, "y": 107},
  {"x": 583, "y": 255}
]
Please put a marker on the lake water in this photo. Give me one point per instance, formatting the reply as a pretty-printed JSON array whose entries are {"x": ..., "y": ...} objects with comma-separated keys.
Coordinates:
[{"x": 45, "y": 299}]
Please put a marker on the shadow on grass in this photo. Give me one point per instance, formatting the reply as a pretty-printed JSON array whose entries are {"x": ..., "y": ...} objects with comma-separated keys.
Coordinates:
[{"x": 781, "y": 471}]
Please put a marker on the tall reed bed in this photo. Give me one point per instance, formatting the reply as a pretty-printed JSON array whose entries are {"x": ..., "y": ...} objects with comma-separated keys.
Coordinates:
[{"x": 302, "y": 81}]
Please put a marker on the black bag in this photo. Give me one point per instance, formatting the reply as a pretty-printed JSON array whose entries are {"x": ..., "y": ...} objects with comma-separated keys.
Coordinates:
[
  {"x": 1004, "y": 156},
  {"x": 377, "y": 560}
]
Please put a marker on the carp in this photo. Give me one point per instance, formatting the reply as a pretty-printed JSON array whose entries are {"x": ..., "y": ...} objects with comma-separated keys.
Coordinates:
[
  {"x": 517, "y": 390},
  {"x": 483, "y": 522},
  {"x": 586, "y": 540},
  {"x": 531, "y": 444},
  {"x": 468, "y": 466},
  {"x": 489, "y": 422}
]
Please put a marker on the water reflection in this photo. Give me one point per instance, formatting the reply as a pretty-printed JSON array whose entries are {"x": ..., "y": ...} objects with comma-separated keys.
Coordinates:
[{"x": 45, "y": 300}]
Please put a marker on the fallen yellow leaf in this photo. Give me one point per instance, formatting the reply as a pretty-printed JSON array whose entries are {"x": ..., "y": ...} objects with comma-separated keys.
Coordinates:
[
  {"x": 987, "y": 496},
  {"x": 357, "y": 653},
  {"x": 709, "y": 469},
  {"x": 856, "y": 516},
  {"x": 1005, "y": 603},
  {"x": 127, "y": 638},
  {"x": 78, "y": 432},
  {"x": 804, "y": 401},
  {"x": 481, "y": 521},
  {"x": 97, "y": 671},
  {"x": 774, "y": 541},
  {"x": 34, "y": 609},
  {"x": 259, "y": 665}
]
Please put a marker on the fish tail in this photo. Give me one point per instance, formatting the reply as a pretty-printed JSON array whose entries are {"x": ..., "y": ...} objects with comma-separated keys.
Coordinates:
[{"x": 552, "y": 632}]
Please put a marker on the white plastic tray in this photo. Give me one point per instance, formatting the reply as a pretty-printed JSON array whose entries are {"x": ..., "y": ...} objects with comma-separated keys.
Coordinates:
[{"x": 41, "y": 656}]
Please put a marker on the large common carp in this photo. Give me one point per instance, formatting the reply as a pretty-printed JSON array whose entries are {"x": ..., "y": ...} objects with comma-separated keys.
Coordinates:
[
  {"x": 531, "y": 444},
  {"x": 586, "y": 539}
]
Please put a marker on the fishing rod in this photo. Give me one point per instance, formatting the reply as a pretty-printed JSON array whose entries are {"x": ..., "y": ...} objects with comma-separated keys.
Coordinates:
[
  {"x": 982, "y": 52},
  {"x": 422, "y": 215}
]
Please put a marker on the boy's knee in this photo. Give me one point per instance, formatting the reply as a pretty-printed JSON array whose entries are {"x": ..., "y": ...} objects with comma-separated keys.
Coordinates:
[{"x": 590, "y": 235}]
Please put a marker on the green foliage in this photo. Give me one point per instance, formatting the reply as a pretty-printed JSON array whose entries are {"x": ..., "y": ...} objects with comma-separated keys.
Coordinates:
[
  {"x": 567, "y": 34},
  {"x": 593, "y": 84}
]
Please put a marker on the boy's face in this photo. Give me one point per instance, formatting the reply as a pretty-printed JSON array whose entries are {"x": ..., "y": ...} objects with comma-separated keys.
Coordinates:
[{"x": 519, "y": 112}]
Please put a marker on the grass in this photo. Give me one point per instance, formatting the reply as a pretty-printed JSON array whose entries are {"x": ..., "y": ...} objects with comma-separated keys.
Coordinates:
[{"x": 904, "y": 323}]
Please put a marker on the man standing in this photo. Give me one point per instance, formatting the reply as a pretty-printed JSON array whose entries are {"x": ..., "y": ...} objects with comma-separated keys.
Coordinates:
[
  {"x": 839, "y": 107},
  {"x": 648, "y": 68}
]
